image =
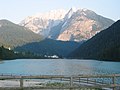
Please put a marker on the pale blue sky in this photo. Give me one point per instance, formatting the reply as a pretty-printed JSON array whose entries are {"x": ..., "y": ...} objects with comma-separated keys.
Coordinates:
[{"x": 17, "y": 10}]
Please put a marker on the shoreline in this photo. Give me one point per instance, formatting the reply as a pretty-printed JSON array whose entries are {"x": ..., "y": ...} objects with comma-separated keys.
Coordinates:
[
  {"x": 16, "y": 83},
  {"x": 36, "y": 83}
]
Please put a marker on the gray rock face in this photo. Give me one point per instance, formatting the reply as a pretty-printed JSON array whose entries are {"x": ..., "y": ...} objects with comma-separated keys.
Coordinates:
[
  {"x": 83, "y": 25},
  {"x": 74, "y": 25},
  {"x": 43, "y": 22}
]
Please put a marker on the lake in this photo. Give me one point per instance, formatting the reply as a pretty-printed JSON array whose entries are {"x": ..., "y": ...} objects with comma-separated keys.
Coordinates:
[{"x": 58, "y": 67}]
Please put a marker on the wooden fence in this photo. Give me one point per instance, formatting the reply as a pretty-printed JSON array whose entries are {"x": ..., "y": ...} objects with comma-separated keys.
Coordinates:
[{"x": 72, "y": 82}]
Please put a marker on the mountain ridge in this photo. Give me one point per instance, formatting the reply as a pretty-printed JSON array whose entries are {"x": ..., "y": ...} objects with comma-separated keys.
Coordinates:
[
  {"x": 82, "y": 25},
  {"x": 50, "y": 47},
  {"x": 74, "y": 25},
  {"x": 12, "y": 35},
  {"x": 103, "y": 46},
  {"x": 40, "y": 22}
]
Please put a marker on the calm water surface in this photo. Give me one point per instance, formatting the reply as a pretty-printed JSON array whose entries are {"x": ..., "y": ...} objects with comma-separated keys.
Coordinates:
[{"x": 58, "y": 67}]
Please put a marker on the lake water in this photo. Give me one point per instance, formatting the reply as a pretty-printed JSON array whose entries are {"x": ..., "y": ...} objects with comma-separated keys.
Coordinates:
[{"x": 58, "y": 67}]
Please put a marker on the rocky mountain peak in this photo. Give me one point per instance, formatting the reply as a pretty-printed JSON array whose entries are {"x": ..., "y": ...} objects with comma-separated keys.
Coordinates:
[
  {"x": 74, "y": 25},
  {"x": 83, "y": 25},
  {"x": 42, "y": 22}
]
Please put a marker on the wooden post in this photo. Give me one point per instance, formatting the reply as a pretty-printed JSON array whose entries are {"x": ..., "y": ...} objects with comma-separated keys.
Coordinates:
[
  {"x": 114, "y": 83},
  {"x": 21, "y": 82},
  {"x": 71, "y": 81},
  {"x": 79, "y": 80},
  {"x": 87, "y": 80},
  {"x": 61, "y": 79}
]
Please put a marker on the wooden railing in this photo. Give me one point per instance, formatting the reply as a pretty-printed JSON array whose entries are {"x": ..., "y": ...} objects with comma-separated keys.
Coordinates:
[{"x": 73, "y": 82}]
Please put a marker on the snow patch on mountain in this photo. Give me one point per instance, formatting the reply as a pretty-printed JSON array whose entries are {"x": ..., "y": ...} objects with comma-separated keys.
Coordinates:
[
  {"x": 42, "y": 23},
  {"x": 73, "y": 25}
]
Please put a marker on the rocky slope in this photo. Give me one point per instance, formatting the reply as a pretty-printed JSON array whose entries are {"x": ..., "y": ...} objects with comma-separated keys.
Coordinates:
[
  {"x": 13, "y": 35},
  {"x": 74, "y": 25},
  {"x": 82, "y": 25},
  {"x": 43, "y": 22}
]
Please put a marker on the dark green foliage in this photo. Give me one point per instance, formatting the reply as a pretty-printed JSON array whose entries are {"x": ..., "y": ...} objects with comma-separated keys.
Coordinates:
[
  {"x": 6, "y": 54},
  {"x": 50, "y": 47},
  {"x": 103, "y": 46}
]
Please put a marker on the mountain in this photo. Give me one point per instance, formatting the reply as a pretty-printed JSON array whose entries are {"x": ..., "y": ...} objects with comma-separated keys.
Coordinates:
[
  {"x": 43, "y": 22},
  {"x": 74, "y": 25},
  {"x": 82, "y": 25},
  {"x": 19, "y": 38},
  {"x": 13, "y": 35},
  {"x": 103, "y": 46},
  {"x": 50, "y": 47},
  {"x": 70, "y": 13}
]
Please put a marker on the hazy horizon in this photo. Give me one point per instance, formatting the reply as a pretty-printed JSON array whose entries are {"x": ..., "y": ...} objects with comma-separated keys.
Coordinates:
[{"x": 16, "y": 11}]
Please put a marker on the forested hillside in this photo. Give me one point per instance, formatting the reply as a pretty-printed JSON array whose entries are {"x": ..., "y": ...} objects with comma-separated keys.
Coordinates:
[
  {"x": 104, "y": 46},
  {"x": 50, "y": 47}
]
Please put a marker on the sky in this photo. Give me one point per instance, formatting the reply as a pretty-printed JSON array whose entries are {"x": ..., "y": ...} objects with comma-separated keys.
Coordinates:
[{"x": 17, "y": 10}]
